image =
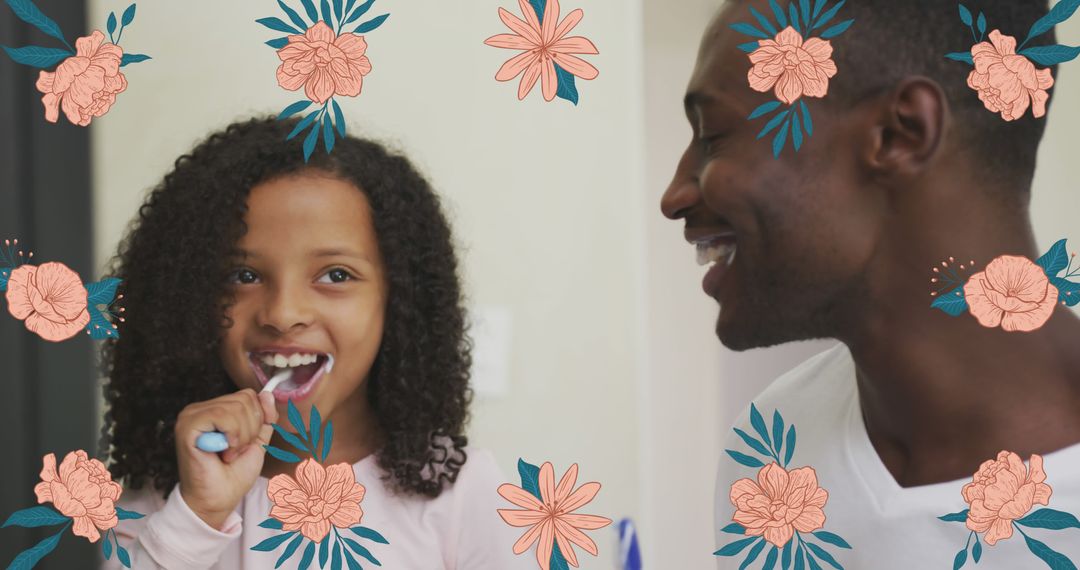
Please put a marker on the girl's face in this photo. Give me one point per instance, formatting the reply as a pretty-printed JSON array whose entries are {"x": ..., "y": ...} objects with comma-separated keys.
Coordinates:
[{"x": 310, "y": 290}]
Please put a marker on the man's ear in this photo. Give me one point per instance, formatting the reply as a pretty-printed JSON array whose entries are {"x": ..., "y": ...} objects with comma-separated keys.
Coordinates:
[{"x": 907, "y": 127}]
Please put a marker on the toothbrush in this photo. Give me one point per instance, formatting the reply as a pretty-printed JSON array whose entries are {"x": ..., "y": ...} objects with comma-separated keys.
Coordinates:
[{"x": 215, "y": 441}]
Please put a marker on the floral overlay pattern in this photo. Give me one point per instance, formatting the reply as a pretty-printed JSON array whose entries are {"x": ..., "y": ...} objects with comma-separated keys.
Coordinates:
[
  {"x": 788, "y": 60},
  {"x": 52, "y": 301},
  {"x": 1007, "y": 80},
  {"x": 548, "y": 511},
  {"x": 1011, "y": 292},
  {"x": 778, "y": 507},
  {"x": 88, "y": 78},
  {"x": 325, "y": 59},
  {"x": 1000, "y": 498},
  {"x": 83, "y": 494},
  {"x": 319, "y": 502},
  {"x": 549, "y": 55}
]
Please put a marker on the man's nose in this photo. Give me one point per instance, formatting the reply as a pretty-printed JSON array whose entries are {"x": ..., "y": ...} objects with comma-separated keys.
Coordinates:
[{"x": 683, "y": 194}]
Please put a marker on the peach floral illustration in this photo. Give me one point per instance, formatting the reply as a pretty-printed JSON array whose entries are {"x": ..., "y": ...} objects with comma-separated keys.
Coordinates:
[
  {"x": 545, "y": 44},
  {"x": 84, "y": 85},
  {"x": 323, "y": 63},
  {"x": 552, "y": 519},
  {"x": 792, "y": 67},
  {"x": 83, "y": 490},
  {"x": 317, "y": 499},
  {"x": 50, "y": 298},
  {"x": 779, "y": 503},
  {"x": 1002, "y": 491},
  {"x": 1012, "y": 292},
  {"x": 1008, "y": 83}
]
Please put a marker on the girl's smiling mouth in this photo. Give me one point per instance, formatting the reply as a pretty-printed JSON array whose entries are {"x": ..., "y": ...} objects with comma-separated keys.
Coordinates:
[{"x": 307, "y": 369}]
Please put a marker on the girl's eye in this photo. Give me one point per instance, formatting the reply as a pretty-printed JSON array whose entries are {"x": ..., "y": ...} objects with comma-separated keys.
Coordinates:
[
  {"x": 243, "y": 276},
  {"x": 336, "y": 276}
]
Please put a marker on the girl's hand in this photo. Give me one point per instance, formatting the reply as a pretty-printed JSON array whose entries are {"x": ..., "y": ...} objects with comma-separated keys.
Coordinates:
[{"x": 213, "y": 484}]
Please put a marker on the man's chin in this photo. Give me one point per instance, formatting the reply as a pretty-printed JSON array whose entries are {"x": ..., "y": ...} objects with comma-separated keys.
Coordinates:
[{"x": 740, "y": 334}]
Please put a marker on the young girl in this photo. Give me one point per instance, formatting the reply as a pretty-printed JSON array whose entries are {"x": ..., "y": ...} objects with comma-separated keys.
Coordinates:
[{"x": 246, "y": 262}]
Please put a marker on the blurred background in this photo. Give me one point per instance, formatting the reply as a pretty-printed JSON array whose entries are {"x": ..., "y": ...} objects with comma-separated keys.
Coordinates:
[{"x": 587, "y": 302}]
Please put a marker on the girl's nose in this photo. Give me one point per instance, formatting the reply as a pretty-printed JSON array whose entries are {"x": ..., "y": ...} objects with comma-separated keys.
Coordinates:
[{"x": 284, "y": 309}]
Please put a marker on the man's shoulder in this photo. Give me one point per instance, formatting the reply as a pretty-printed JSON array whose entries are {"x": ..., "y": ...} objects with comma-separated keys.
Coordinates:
[{"x": 819, "y": 379}]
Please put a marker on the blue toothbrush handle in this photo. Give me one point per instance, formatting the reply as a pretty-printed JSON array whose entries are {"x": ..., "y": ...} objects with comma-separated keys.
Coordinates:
[{"x": 212, "y": 442}]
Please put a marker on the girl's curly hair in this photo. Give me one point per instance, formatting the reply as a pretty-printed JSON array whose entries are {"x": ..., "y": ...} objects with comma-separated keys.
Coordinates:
[{"x": 174, "y": 263}]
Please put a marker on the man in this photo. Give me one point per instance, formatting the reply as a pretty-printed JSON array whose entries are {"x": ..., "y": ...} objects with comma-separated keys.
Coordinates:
[{"x": 907, "y": 167}]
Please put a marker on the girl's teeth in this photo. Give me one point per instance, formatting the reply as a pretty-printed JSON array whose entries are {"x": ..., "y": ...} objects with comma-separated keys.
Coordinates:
[
  {"x": 294, "y": 360},
  {"x": 291, "y": 361},
  {"x": 280, "y": 361}
]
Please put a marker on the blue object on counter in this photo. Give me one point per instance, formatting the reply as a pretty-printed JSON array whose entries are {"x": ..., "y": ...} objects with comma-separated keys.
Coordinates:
[{"x": 629, "y": 551}]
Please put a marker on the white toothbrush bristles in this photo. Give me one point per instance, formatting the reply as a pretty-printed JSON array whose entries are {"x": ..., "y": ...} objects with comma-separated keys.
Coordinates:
[{"x": 277, "y": 379}]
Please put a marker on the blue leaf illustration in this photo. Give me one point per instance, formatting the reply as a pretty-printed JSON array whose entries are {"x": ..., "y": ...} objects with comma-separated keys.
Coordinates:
[
  {"x": 122, "y": 514},
  {"x": 309, "y": 554},
  {"x": 99, "y": 327},
  {"x": 357, "y": 548},
  {"x": 1054, "y": 559},
  {"x": 960, "y": 560},
  {"x": 360, "y": 11},
  {"x": 567, "y": 86},
  {"x": 372, "y": 535},
  {"x": 770, "y": 559},
  {"x": 781, "y": 18},
  {"x": 811, "y": 562},
  {"x": 309, "y": 9},
  {"x": 1068, "y": 291},
  {"x": 981, "y": 23},
  {"x": 818, "y": 5},
  {"x": 277, "y": 43},
  {"x": 538, "y": 7},
  {"x": 296, "y": 19},
  {"x": 790, "y": 445},
  {"x": 353, "y": 564},
  {"x": 765, "y": 23},
  {"x": 558, "y": 561},
  {"x": 753, "y": 443},
  {"x": 1051, "y": 55},
  {"x": 777, "y": 431},
  {"x": 328, "y": 437},
  {"x": 733, "y": 548},
  {"x": 273, "y": 542},
  {"x": 756, "y": 420},
  {"x": 106, "y": 547},
  {"x": 39, "y": 57},
  {"x": 289, "y": 550},
  {"x": 339, "y": 118},
  {"x": 744, "y": 459},
  {"x": 132, "y": 58},
  {"x": 749, "y": 47},
  {"x": 955, "y": 517},
  {"x": 102, "y": 292},
  {"x": 1054, "y": 260},
  {"x": 337, "y": 10},
  {"x": 808, "y": 125},
  {"x": 110, "y": 25},
  {"x": 326, "y": 15},
  {"x": 1049, "y": 518},
  {"x": 316, "y": 419},
  {"x": 837, "y": 29},
  {"x": 281, "y": 454},
  {"x": 753, "y": 554},
  {"x": 277, "y": 25},
  {"x": 530, "y": 477},
  {"x": 796, "y": 137},
  {"x": 822, "y": 554},
  {"x": 335, "y": 561},
  {"x": 294, "y": 109},
  {"x": 953, "y": 303},
  {"x": 964, "y": 56},
  {"x": 122, "y": 554},
  {"x": 129, "y": 16},
  {"x": 294, "y": 414},
  {"x": 371, "y": 24},
  {"x": 775, "y": 122},
  {"x": 324, "y": 550},
  {"x": 348, "y": 6},
  {"x": 271, "y": 523},
  {"x": 831, "y": 538},
  {"x": 291, "y": 438},
  {"x": 794, "y": 13},
  {"x": 779, "y": 140},
  {"x": 976, "y": 551},
  {"x": 828, "y": 15},
  {"x": 764, "y": 109},
  {"x": 804, "y": 6},
  {"x": 734, "y": 528},
  {"x": 1058, "y": 14},
  {"x": 799, "y": 558},
  {"x": 965, "y": 15},
  {"x": 5, "y": 274},
  {"x": 34, "y": 517},
  {"x": 28, "y": 12},
  {"x": 785, "y": 561},
  {"x": 750, "y": 30}
]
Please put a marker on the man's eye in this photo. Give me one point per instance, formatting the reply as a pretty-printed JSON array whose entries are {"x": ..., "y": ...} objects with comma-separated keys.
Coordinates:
[
  {"x": 336, "y": 276},
  {"x": 243, "y": 276},
  {"x": 708, "y": 144}
]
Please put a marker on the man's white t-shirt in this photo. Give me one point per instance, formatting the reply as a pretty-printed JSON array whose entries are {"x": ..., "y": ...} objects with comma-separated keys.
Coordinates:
[{"x": 887, "y": 526}]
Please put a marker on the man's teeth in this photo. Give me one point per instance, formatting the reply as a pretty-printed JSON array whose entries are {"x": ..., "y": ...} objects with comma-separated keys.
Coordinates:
[
  {"x": 707, "y": 254},
  {"x": 292, "y": 361}
]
